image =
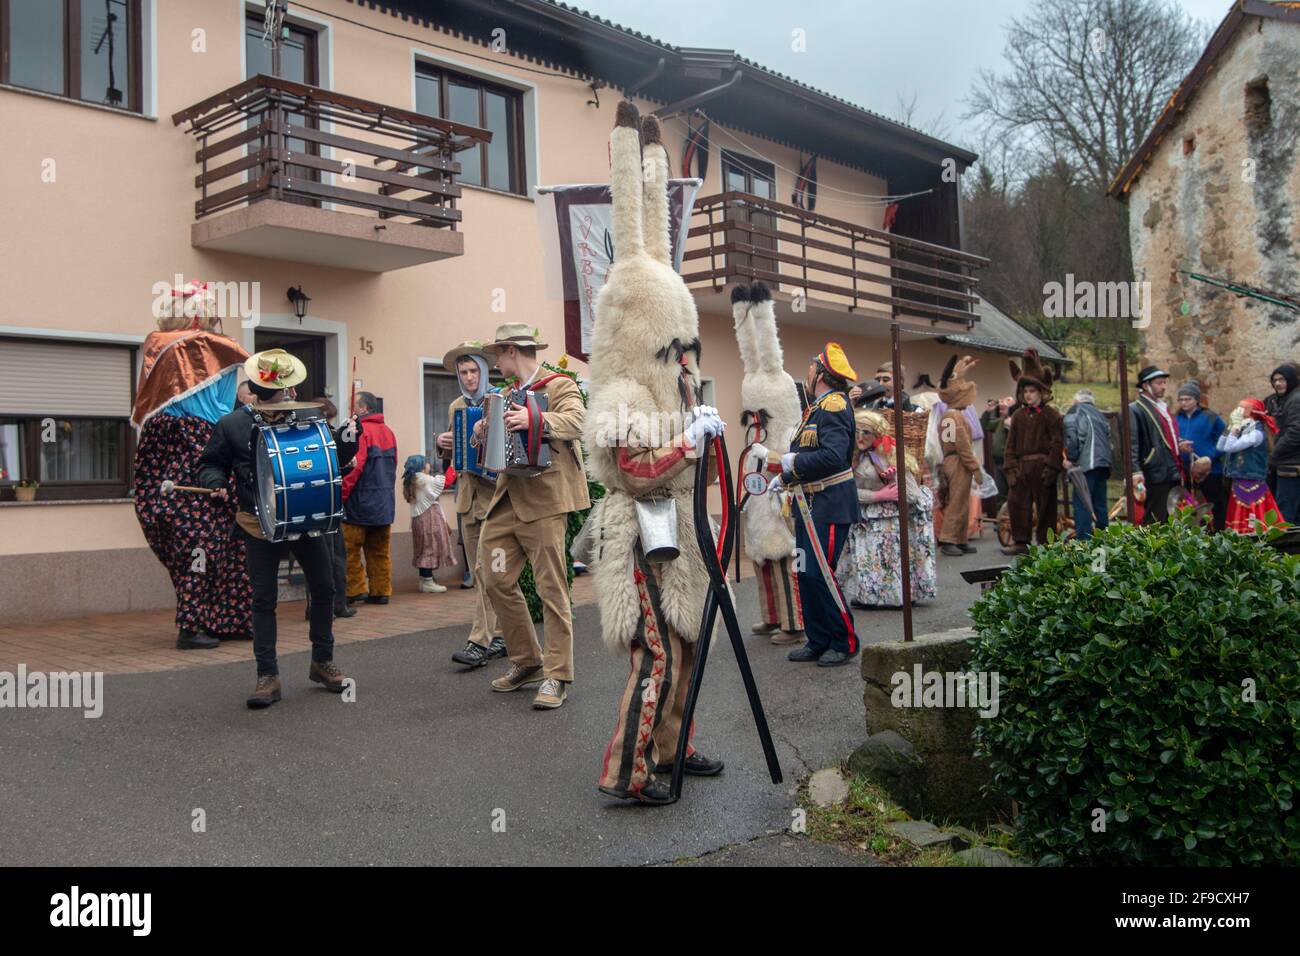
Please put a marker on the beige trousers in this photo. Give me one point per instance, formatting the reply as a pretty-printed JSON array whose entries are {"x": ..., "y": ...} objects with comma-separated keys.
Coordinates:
[
  {"x": 505, "y": 543},
  {"x": 485, "y": 619}
]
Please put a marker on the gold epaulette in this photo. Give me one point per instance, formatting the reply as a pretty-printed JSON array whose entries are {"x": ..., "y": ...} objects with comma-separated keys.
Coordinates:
[{"x": 833, "y": 402}]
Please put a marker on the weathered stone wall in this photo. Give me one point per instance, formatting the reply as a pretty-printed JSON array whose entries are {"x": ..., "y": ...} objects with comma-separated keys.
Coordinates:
[{"x": 1231, "y": 208}]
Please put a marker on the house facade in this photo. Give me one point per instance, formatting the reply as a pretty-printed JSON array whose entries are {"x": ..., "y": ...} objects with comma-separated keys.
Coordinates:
[
  {"x": 1215, "y": 190},
  {"x": 390, "y": 172}
]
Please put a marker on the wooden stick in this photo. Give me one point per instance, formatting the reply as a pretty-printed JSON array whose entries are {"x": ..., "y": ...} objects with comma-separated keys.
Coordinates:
[{"x": 170, "y": 487}]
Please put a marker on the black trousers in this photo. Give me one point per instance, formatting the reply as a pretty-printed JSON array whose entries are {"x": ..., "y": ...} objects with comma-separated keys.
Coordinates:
[
  {"x": 338, "y": 553},
  {"x": 1215, "y": 489},
  {"x": 1157, "y": 503},
  {"x": 263, "y": 559}
]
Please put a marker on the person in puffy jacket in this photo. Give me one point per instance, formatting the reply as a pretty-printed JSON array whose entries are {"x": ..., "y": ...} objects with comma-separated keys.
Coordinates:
[
  {"x": 1087, "y": 447},
  {"x": 369, "y": 505}
]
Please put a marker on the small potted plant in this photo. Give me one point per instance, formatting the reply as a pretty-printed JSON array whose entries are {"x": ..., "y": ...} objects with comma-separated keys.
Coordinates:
[{"x": 25, "y": 490}]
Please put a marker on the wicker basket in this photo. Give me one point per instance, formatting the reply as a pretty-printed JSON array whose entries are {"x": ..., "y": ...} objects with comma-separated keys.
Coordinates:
[{"x": 915, "y": 425}]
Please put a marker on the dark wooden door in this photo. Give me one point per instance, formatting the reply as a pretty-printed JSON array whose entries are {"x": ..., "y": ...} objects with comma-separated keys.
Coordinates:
[{"x": 309, "y": 349}]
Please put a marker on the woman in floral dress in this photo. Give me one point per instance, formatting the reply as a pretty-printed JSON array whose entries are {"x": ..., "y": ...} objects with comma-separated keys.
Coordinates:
[{"x": 871, "y": 569}]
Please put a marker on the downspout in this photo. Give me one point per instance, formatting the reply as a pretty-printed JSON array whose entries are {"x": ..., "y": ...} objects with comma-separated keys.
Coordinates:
[
  {"x": 683, "y": 106},
  {"x": 645, "y": 81}
]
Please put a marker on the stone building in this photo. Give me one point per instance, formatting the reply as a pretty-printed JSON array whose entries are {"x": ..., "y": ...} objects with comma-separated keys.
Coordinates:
[{"x": 1215, "y": 190}]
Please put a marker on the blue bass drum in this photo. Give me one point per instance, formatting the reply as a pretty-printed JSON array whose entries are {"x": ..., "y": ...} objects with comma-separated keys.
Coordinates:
[{"x": 299, "y": 488}]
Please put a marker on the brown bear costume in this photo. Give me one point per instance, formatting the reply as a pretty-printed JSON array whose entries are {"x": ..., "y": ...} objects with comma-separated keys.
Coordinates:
[
  {"x": 960, "y": 466},
  {"x": 1035, "y": 444}
]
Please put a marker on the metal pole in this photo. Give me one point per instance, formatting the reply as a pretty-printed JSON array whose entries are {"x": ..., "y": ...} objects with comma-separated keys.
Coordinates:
[
  {"x": 900, "y": 464},
  {"x": 1129, "y": 500}
]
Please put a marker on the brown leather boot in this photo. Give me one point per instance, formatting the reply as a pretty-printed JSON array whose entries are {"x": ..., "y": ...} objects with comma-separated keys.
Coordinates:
[
  {"x": 265, "y": 693},
  {"x": 329, "y": 675}
]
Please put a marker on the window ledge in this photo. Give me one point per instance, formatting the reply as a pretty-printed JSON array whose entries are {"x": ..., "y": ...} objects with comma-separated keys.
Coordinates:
[
  {"x": 67, "y": 501},
  {"x": 495, "y": 192},
  {"x": 58, "y": 98}
]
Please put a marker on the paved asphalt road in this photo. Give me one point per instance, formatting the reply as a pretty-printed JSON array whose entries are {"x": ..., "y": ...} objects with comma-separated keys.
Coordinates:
[{"x": 417, "y": 769}]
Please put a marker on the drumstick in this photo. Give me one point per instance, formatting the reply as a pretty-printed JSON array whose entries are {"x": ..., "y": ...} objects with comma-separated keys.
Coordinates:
[{"x": 170, "y": 487}]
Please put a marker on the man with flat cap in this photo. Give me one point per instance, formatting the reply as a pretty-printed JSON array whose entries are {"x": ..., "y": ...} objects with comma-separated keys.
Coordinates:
[
  {"x": 1153, "y": 444},
  {"x": 817, "y": 472}
]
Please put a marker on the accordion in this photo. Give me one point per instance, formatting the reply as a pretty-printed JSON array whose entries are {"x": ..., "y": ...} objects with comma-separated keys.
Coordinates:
[
  {"x": 515, "y": 453},
  {"x": 466, "y": 455}
]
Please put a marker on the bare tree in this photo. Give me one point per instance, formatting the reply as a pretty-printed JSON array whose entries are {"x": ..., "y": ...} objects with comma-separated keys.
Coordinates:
[
  {"x": 938, "y": 126},
  {"x": 1086, "y": 80}
]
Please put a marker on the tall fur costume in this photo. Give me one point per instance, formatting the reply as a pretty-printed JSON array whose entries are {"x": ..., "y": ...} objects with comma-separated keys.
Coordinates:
[
  {"x": 960, "y": 464},
  {"x": 1032, "y": 459},
  {"x": 646, "y": 331},
  {"x": 772, "y": 413}
]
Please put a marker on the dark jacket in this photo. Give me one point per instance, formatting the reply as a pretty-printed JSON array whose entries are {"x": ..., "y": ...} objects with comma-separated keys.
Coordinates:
[
  {"x": 230, "y": 451},
  {"x": 1149, "y": 453},
  {"x": 1087, "y": 436},
  {"x": 823, "y": 444},
  {"x": 1286, "y": 450},
  {"x": 369, "y": 489}
]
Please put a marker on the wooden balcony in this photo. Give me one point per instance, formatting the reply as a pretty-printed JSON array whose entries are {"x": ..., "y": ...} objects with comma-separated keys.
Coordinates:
[
  {"x": 289, "y": 171},
  {"x": 839, "y": 268}
]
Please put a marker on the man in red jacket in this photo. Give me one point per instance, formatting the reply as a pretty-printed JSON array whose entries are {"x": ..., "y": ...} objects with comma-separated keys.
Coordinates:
[{"x": 368, "y": 505}]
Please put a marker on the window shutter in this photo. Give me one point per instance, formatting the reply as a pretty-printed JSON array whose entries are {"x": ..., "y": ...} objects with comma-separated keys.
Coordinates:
[{"x": 64, "y": 379}]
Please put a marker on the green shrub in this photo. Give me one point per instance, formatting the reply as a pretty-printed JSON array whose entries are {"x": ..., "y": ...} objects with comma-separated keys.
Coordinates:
[{"x": 1126, "y": 668}]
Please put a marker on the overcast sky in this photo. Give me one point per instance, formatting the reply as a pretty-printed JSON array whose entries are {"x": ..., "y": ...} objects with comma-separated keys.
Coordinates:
[{"x": 867, "y": 51}]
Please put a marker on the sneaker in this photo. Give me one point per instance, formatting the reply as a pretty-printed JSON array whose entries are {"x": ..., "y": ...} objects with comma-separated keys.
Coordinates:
[
  {"x": 803, "y": 654},
  {"x": 471, "y": 655},
  {"x": 344, "y": 610},
  {"x": 327, "y": 674},
  {"x": 762, "y": 627},
  {"x": 496, "y": 648},
  {"x": 430, "y": 586},
  {"x": 517, "y": 678},
  {"x": 697, "y": 765},
  {"x": 787, "y": 637},
  {"x": 265, "y": 693},
  {"x": 653, "y": 793},
  {"x": 833, "y": 658},
  {"x": 187, "y": 640},
  {"x": 550, "y": 695}
]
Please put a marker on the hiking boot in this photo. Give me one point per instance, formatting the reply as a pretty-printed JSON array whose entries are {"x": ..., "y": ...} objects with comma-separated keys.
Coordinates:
[
  {"x": 952, "y": 550},
  {"x": 550, "y": 695},
  {"x": 803, "y": 654},
  {"x": 356, "y": 598},
  {"x": 787, "y": 637},
  {"x": 265, "y": 693},
  {"x": 187, "y": 640},
  {"x": 430, "y": 586},
  {"x": 833, "y": 658},
  {"x": 1016, "y": 549},
  {"x": 968, "y": 548},
  {"x": 517, "y": 678},
  {"x": 496, "y": 648},
  {"x": 376, "y": 598},
  {"x": 344, "y": 610},
  {"x": 471, "y": 655},
  {"x": 763, "y": 628},
  {"x": 653, "y": 793},
  {"x": 327, "y": 674},
  {"x": 697, "y": 765}
]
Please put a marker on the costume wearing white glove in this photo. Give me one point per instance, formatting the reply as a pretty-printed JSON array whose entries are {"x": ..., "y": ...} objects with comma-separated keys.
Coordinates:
[
  {"x": 708, "y": 424},
  {"x": 775, "y": 486},
  {"x": 787, "y": 460},
  {"x": 758, "y": 454}
]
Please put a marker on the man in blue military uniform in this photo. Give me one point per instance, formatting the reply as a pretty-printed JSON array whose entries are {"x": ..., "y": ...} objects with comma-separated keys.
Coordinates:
[{"x": 817, "y": 472}]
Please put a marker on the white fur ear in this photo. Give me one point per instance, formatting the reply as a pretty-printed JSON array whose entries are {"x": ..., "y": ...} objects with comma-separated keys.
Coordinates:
[{"x": 625, "y": 182}]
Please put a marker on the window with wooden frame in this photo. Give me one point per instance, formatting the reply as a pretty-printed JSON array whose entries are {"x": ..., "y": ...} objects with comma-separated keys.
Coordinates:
[
  {"x": 466, "y": 99},
  {"x": 65, "y": 418},
  {"x": 87, "y": 50}
]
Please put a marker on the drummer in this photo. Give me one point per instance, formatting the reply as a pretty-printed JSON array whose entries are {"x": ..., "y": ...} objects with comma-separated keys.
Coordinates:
[{"x": 270, "y": 374}]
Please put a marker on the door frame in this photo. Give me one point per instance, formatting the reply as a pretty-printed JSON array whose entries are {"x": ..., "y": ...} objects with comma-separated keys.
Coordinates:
[{"x": 335, "y": 334}]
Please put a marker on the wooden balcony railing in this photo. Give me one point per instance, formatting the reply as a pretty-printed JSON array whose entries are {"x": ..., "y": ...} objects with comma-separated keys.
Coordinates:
[
  {"x": 279, "y": 131},
  {"x": 740, "y": 236}
]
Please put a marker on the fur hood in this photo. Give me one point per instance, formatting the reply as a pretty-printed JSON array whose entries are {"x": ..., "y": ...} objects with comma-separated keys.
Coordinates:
[
  {"x": 1034, "y": 373},
  {"x": 955, "y": 390}
]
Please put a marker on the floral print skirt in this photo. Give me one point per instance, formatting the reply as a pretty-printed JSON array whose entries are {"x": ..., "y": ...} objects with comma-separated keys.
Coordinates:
[
  {"x": 190, "y": 533},
  {"x": 870, "y": 569}
]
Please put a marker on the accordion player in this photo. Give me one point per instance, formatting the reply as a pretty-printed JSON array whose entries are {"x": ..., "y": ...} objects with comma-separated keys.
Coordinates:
[{"x": 524, "y": 452}]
